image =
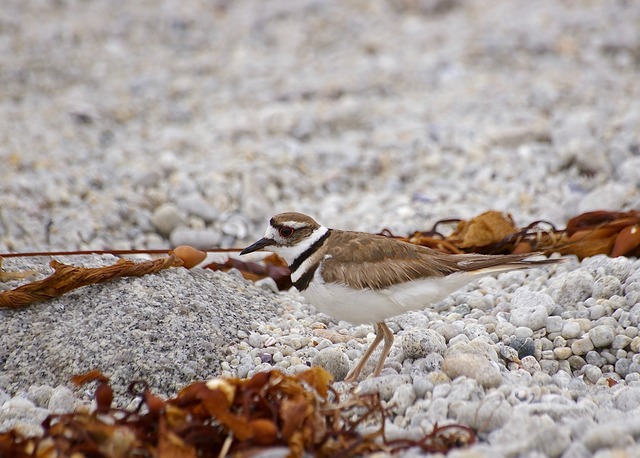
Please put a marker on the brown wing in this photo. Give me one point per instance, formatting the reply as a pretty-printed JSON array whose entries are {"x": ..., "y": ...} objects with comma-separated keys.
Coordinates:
[{"x": 378, "y": 262}]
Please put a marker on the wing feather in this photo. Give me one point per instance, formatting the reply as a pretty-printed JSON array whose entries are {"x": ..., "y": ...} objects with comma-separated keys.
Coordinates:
[{"x": 378, "y": 262}]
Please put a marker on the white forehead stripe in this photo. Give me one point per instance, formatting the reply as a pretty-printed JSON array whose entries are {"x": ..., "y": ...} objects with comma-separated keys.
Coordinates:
[{"x": 295, "y": 224}]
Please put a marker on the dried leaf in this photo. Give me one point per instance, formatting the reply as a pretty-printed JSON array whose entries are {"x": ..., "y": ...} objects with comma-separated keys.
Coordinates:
[
  {"x": 318, "y": 379},
  {"x": 485, "y": 229},
  {"x": 293, "y": 413},
  {"x": 255, "y": 271},
  {"x": 170, "y": 445},
  {"x": 627, "y": 240},
  {"x": 104, "y": 397},
  {"x": 588, "y": 242},
  {"x": 215, "y": 403},
  {"x": 88, "y": 377},
  {"x": 269, "y": 410},
  {"x": 265, "y": 432},
  {"x": 595, "y": 219}
]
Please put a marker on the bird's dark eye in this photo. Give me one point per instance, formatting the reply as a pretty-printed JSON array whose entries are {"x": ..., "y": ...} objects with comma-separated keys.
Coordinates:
[{"x": 286, "y": 231}]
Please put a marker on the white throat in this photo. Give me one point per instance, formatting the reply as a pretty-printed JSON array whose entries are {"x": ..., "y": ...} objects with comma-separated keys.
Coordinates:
[{"x": 290, "y": 253}]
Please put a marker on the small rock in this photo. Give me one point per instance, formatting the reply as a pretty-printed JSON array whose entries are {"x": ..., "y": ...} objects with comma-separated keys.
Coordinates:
[
  {"x": 596, "y": 312},
  {"x": 432, "y": 362},
  {"x": 483, "y": 416},
  {"x": 623, "y": 367},
  {"x": 592, "y": 373},
  {"x": 530, "y": 364},
  {"x": 609, "y": 195},
  {"x": 554, "y": 323},
  {"x": 194, "y": 204},
  {"x": 601, "y": 336},
  {"x": 402, "y": 398},
  {"x": 438, "y": 410},
  {"x": 255, "y": 340},
  {"x": 203, "y": 239},
  {"x": 620, "y": 341},
  {"x": 576, "y": 450},
  {"x": 267, "y": 283},
  {"x": 562, "y": 352},
  {"x": 473, "y": 331},
  {"x": 509, "y": 353},
  {"x": 581, "y": 346},
  {"x": 550, "y": 366},
  {"x": 4, "y": 397},
  {"x": 523, "y": 332},
  {"x": 594, "y": 358},
  {"x": 559, "y": 341},
  {"x": 533, "y": 317},
  {"x": 473, "y": 366},
  {"x": 166, "y": 218},
  {"x": 385, "y": 385},
  {"x": 461, "y": 338},
  {"x": 505, "y": 329},
  {"x": 334, "y": 361},
  {"x": 571, "y": 330},
  {"x": 62, "y": 400},
  {"x": 577, "y": 286},
  {"x": 612, "y": 434},
  {"x": 236, "y": 226},
  {"x": 534, "y": 433},
  {"x": 441, "y": 391},
  {"x": 39, "y": 395},
  {"x": 631, "y": 332},
  {"x": 418, "y": 343},
  {"x": 524, "y": 346},
  {"x": 465, "y": 390},
  {"x": 576, "y": 362},
  {"x": 266, "y": 358},
  {"x": 243, "y": 370},
  {"x": 476, "y": 347},
  {"x": 421, "y": 386},
  {"x": 606, "y": 286},
  {"x": 450, "y": 330},
  {"x": 524, "y": 297}
]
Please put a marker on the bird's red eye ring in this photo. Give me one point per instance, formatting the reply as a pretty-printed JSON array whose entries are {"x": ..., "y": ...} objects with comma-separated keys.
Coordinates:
[{"x": 286, "y": 231}]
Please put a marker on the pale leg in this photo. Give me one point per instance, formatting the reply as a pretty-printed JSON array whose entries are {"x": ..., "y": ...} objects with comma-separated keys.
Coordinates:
[
  {"x": 382, "y": 332},
  {"x": 388, "y": 342}
]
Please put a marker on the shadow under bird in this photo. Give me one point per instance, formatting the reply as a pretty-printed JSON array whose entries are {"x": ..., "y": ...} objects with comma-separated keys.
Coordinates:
[{"x": 365, "y": 278}]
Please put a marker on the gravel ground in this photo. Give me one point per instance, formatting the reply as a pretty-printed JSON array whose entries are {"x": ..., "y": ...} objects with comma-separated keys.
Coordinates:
[{"x": 152, "y": 124}]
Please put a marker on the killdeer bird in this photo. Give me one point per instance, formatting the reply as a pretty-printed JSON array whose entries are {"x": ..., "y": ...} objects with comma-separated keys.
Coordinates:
[{"x": 364, "y": 278}]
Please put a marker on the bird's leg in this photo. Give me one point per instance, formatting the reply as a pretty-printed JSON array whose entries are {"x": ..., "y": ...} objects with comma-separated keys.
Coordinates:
[
  {"x": 388, "y": 342},
  {"x": 355, "y": 373}
]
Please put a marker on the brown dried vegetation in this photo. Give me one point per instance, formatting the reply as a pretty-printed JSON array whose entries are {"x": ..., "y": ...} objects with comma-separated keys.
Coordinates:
[{"x": 237, "y": 417}]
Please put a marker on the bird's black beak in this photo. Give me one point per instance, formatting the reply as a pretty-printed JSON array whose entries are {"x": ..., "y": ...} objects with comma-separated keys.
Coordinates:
[{"x": 260, "y": 244}]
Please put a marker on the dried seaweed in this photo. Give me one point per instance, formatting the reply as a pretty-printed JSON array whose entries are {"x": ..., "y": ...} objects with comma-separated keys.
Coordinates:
[
  {"x": 66, "y": 278},
  {"x": 228, "y": 416},
  {"x": 272, "y": 266}
]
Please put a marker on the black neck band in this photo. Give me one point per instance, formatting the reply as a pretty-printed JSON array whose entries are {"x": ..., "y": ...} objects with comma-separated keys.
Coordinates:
[{"x": 308, "y": 252}]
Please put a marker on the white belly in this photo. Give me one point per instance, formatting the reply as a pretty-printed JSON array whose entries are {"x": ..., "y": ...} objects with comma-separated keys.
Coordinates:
[{"x": 374, "y": 306}]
